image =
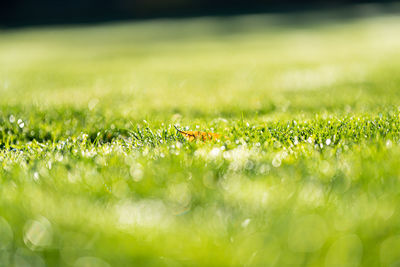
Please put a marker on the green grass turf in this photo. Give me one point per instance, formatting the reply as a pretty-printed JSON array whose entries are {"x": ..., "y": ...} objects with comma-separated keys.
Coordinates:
[{"x": 93, "y": 172}]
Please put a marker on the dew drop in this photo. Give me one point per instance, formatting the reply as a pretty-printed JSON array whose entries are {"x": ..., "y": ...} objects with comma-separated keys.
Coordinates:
[
  {"x": 21, "y": 124},
  {"x": 328, "y": 142},
  {"x": 245, "y": 223},
  {"x": 276, "y": 162}
]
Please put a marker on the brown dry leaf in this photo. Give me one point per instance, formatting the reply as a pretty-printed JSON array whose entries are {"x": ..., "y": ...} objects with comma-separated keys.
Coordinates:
[{"x": 197, "y": 135}]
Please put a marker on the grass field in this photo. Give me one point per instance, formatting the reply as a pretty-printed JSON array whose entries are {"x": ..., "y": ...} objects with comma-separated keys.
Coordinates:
[{"x": 93, "y": 172}]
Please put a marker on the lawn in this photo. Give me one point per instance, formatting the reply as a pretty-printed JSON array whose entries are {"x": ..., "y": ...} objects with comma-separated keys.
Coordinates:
[{"x": 306, "y": 171}]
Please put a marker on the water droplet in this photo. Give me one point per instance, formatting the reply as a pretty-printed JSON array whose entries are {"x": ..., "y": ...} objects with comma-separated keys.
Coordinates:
[
  {"x": 38, "y": 234},
  {"x": 59, "y": 157},
  {"x": 245, "y": 223},
  {"x": 12, "y": 118},
  {"x": 388, "y": 144},
  {"x": 136, "y": 172},
  {"x": 276, "y": 162},
  {"x": 144, "y": 213},
  {"x": 214, "y": 152},
  {"x": 296, "y": 140},
  {"x": 21, "y": 124},
  {"x": 328, "y": 142}
]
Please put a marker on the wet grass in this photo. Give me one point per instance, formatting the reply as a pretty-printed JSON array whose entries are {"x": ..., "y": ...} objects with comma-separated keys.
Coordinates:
[{"x": 93, "y": 172}]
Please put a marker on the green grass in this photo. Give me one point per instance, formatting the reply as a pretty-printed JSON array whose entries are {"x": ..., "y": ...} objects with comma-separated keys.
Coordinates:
[{"x": 93, "y": 172}]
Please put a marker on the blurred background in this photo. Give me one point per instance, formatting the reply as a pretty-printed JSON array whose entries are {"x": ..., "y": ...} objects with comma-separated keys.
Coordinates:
[
  {"x": 92, "y": 172},
  {"x": 30, "y": 12}
]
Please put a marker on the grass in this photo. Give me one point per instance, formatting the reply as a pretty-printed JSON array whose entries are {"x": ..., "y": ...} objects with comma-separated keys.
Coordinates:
[{"x": 93, "y": 172}]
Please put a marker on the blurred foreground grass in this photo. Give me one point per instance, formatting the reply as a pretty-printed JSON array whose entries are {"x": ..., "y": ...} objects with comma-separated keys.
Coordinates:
[{"x": 94, "y": 174}]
